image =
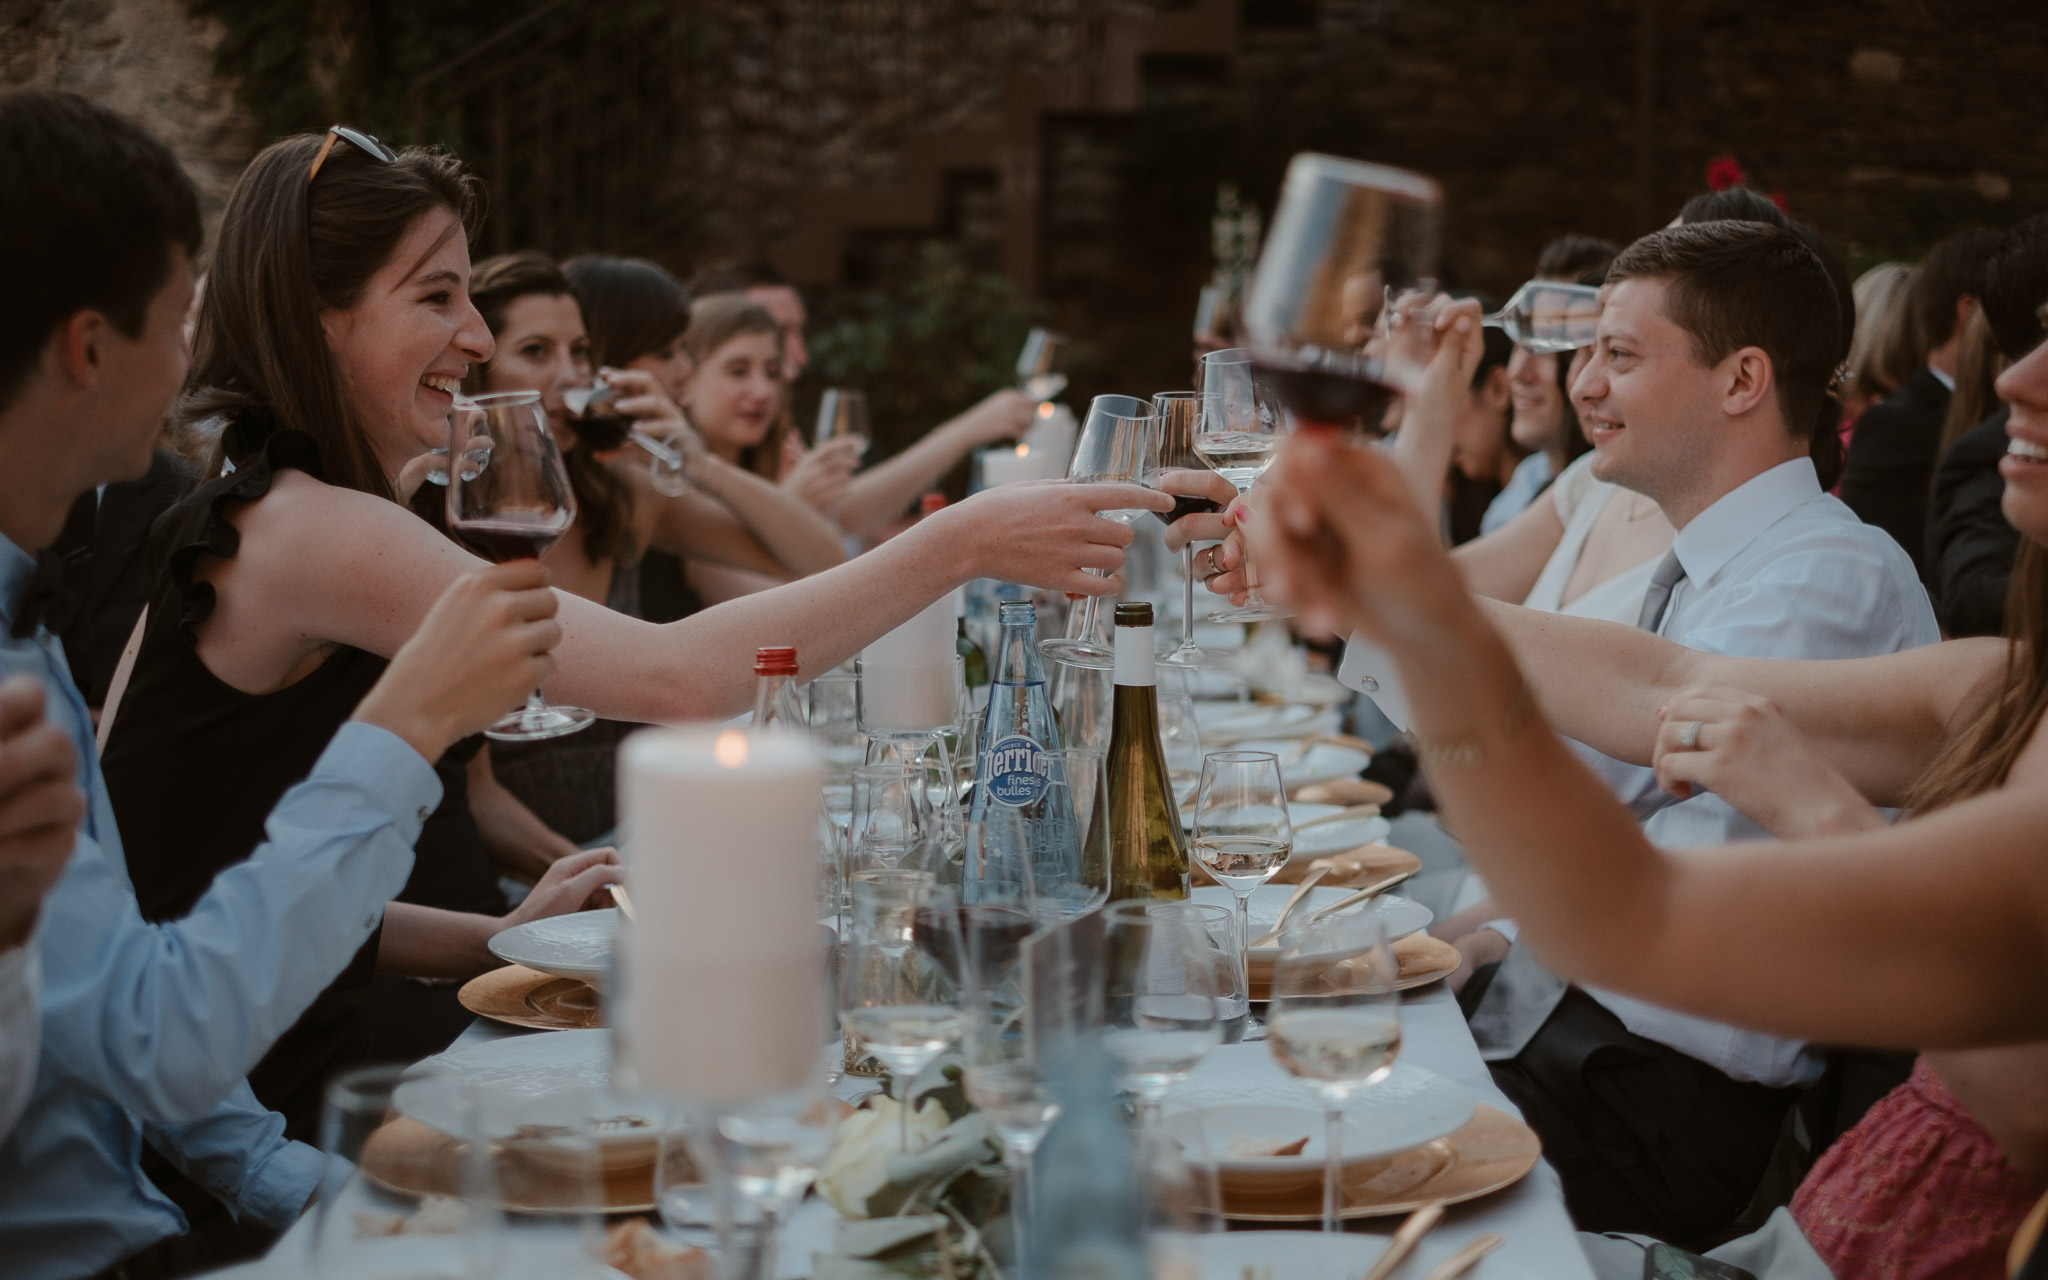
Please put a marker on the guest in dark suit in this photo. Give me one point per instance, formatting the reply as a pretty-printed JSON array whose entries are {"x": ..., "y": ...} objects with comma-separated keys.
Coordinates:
[
  {"x": 103, "y": 543},
  {"x": 1970, "y": 544},
  {"x": 1898, "y": 439}
]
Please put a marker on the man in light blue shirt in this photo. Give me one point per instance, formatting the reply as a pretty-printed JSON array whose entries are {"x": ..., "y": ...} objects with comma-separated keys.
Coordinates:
[{"x": 148, "y": 1030}]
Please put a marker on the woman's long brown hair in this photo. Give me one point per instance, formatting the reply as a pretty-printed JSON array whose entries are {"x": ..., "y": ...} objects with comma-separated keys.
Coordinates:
[
  {"x": 288, "y": 250},
  {"x": 1979, "y": 757},
  {"x": 604, "y": 503}
]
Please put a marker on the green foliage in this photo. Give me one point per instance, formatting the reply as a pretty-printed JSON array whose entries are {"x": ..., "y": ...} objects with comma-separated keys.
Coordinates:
[{"x": 923, "y": 348}]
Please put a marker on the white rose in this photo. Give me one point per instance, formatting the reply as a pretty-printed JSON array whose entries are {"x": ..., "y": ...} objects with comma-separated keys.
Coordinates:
[{"x": 859, "y": 1164}]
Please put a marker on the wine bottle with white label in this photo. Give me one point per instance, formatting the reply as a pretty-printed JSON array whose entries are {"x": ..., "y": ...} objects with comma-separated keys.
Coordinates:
[
  {"x": 1148, "y": 850},
  {"x": 1017, "y": 763}
]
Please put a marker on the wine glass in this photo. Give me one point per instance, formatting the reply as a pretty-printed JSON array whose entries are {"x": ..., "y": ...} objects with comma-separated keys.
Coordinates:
[
  {"x": 1160, "y": 1014},
  {"x": 1334, "y": 1019},
  {"x": 886, "y": 823},
  {"x": 1233, "y": 983},
  {"x": 515, "y": 506},
  {"x": 1548, "y": 316},
  {"x": 1180, "y": 734},
  {"x": 1238, "y": 433},
  {"x": 842, "y": 412},
  {"x": 1180, "y": 426},
  {"x": 1243, "y": 834},
  {"x": 1346, "y": 238},
  {"x": 594, "y": 413},
  {"x": 1038, "y": 364},
  {"x": 896, "y": 997},
  {"x": 1084, "y": 772},
  {"x": 1119, "y": 433}
]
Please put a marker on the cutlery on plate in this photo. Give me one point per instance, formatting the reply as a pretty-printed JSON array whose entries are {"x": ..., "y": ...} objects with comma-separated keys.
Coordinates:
[
  {"x": 1354, "y": 811},
  {"x": 1464, "y": 1259},
  {"x": 1412, "y": 1230},
  {"x": 1316, "y": 871},
  {"x": 625, "y": 902},
  {"x": 1349, "y": 900}
]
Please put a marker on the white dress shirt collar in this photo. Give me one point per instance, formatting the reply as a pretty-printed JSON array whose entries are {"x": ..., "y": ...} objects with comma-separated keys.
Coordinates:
[
  {"x": 1737, "y": 518},
  {"x": 1945, "y": 379}
]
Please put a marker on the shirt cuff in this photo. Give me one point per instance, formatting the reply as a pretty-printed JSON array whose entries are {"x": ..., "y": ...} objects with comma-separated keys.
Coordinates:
[
  {"x": 385, "y": 767},
  {"x": 281, "y": 1188},
  {"x": 1505, "y": 927}
]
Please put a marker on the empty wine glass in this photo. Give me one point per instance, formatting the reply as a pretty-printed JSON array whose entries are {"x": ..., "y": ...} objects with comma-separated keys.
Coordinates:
[
  {"x": 1084, "y": 772},
  {"x": 1233, "y": 984},
  {"x": 1115, "y": 441},
  {"x": 842, "y": 412},
  {"x": 895, "y": 995},
  {"x": 1237, "y": 434},
  {"x": 1160, "y": 1014},
  {"x": 1039, "y": 364},
  {"x": 1180, "y": 734},
  {"x": 1334, "y": 1020},
  {"x": 886, "y": 824},
  {"x": 1549, "y": 316},
  {"x": 1346, "y": 237},
  {"x": 1180, "y": 424},
  {"x": 515, "y": 506},
  {"x": 1243, "y": 834}
]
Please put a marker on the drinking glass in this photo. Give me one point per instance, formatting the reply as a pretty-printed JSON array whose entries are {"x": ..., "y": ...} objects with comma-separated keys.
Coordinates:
[
  {"x": 768, "y": 1150},
  {"x": 1039, "y": 364},
  {"x": 1180, "y": 734},
  {"x": 1004, "y": 1083},
  {"x": 895, "y": 995},
  {"x": 1160, "y": 1015},
  {"x": 1233, "y": 983},
  {"x": 1084, "y": 772},
  {"x": 1119, "y": 433},
  {"x": 449, "y": 1224},
  {"x": 842, "y": 412},
  {"x": 1183, "y": 1198},
  {"x": 1084, "y": 696},
  {"x": 1243, "y": 834},
  {"x": 515, "y": 506},
  {"x": 1549, "y": 316},
  {"x": 886, "y": 823},
  {"x": 1334, "y": 1020},
  {"x": 1237, "y": 435},
  {"x": 1180, "y": 424},
  {"x": 1345, "y": 238},
  {"x": 598, "y": 422}
]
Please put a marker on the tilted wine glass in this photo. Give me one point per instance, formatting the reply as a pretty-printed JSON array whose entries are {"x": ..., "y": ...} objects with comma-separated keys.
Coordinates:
[
  {"x": 1039, "y": 372},
  {"x": 1114, "y": 443},
  {"x": 1550, "y": 316},
  {"x": 514, "y": 505},
  {"x": 1238, "y": 432}
]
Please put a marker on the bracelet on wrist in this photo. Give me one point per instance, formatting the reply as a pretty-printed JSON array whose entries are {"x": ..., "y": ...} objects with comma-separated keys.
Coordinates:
[{"x": 1471, "y": 750}]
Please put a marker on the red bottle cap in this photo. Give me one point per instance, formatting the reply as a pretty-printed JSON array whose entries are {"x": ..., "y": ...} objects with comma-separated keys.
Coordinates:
[
  {"x": 930, "y": 502},
  {"x": 779, "y": 660}
]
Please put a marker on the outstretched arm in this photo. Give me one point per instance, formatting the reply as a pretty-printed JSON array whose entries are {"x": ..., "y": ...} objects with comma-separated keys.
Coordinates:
[
  {"x": 1933, "y": 933},
  {"x": 882, "y": 492}
]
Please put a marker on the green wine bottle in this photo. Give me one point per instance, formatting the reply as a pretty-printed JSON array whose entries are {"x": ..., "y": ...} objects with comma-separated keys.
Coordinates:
[
  {"x": 971, "y": 656},
  {"x": 1148, "y": 850}
]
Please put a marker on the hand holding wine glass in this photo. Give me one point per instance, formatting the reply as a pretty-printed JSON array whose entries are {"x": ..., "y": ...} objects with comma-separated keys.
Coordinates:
[
  {"x": 1115, "y": 448},
  {"x": 1173, "y": 462},
  {"x": 514, "y": 506},
  {"x": 1335, "y": 1021}
]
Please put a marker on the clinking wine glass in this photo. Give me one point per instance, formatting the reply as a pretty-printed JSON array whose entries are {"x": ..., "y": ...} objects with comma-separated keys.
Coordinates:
[
  {"x": 1237, "y": 433},
  {"x": 1160, "y": 1008},
  {"x": 842, "y": 412},
  {"x": 895, "y": 995},
  {"x": 515, "y": 506},
  {"x": 1549, "y": 316},
  {"x": 594, "y": 412},
  {"x": 1180, "y": 425},
  {"x": 1243, "y": 834},
  {"x": 1334, "y": 1021},
  {"x": 1346, "y": 237},
  {"x": 1115, "y": 441},
  {"x": 1039, "y": 365}
]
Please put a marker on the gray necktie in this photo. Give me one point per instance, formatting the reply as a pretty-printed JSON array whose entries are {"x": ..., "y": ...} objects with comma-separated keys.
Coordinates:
[{"x": 1657, "y": 600}]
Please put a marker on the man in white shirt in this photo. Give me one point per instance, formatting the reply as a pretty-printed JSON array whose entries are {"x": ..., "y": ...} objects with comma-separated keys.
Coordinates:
[
  {"x": 40, "y": 805},
  {"x": 1716, "y": 345}
]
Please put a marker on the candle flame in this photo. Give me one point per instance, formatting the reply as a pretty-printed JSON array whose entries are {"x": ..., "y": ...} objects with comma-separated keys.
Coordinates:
[
  {"x": 730, "y": 748},
  {"x": 1045, "y": 410},
  {"x": 1023, "y": 450}
]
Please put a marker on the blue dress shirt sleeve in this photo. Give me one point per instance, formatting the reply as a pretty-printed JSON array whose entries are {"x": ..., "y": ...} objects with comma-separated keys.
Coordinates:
[
  {"x": 241, "y": 1155},
  {"x": 167, "y": 1019},
  {"x": 20, "y": 1031}
]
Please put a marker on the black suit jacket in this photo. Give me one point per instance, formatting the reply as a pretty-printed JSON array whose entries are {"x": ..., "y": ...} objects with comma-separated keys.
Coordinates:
[
  {"x": 1891, "y": 460},
  {"x": 118, "y": 539},
  {"x": 1970, "y": 543}
]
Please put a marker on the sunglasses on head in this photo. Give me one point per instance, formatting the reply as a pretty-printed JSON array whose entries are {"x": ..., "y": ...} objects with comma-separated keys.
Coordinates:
[{"x": 363, "y": 142}]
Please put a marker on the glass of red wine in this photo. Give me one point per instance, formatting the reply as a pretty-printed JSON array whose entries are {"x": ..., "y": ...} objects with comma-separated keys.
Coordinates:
[
  {"x": 1180, "y": 421},
  {"x": 1347, "y": 237},
  {"x": 512, "y": 502}
]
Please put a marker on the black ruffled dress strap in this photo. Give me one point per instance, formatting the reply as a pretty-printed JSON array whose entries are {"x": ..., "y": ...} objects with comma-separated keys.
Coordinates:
[{"x": 198, "y": 526}]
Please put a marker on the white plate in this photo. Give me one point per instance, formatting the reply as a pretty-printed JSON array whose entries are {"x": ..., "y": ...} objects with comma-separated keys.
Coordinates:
[
  {"x": 1231, "y": 1095},
  {"x": 1324, "y": 761},
  {"x": 577, "y": 945},
  {"x": 1400, "y": 916},
  {"x": 1333, "y": 837},
  {"x": 1345, "y": 1255},
  {"x": 1224, "y": 723},
  {"x": 520, "y": 1076}
]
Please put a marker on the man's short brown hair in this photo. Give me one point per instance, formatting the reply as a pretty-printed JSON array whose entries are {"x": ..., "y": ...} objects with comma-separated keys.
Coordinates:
[{"x": 1748, "y": 284}]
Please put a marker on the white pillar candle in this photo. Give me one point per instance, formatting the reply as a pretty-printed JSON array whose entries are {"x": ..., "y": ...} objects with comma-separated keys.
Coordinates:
[
  {"x": 1050, "y": 438},
  {"x": 1006, "y": 466},
  {"x": 721, "y": 971},
  {"x": 926, "y": 639},
  {"x": 912, "y": 700}
]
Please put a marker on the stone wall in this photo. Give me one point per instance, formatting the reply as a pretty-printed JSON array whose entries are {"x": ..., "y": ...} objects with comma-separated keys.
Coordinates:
[{"x": 148, "y": 58}]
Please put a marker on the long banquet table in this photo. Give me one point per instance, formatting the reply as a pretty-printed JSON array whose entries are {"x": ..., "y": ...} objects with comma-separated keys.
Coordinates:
[{"x": 1539, "y": 1242}]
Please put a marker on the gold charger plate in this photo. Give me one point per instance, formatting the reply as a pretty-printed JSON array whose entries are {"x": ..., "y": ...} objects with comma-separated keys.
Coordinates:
[
  {"x": 410, "y": 1158},
  {"x": 1422, "y": 959},
  {"x": 527, "y": 997},
  {"x": 1355, "y": 868},
  {"x": 1494, "y": 1150}
]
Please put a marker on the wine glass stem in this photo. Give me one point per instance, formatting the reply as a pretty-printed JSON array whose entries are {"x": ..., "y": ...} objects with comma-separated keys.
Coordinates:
[
  {"x": 902, "y": 1112},
  {"x": 1333, "y": 1165},
  {"x": 1187, "y": 598},
  {"x": 535, "y": 711},
  {"x": 1244, "y": 943}
]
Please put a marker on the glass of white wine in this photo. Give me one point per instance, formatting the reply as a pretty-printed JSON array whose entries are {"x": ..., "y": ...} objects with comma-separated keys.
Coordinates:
[
  {"x": 1334, "y": 1020},
  {"x": 1238, "y": 434},
  {"x": 1243, "y": 835},
  {"x": 896, "y": 997}
]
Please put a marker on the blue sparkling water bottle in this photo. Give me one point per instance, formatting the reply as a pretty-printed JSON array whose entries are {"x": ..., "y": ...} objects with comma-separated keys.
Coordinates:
[{"x": 1020, "y": 796}]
